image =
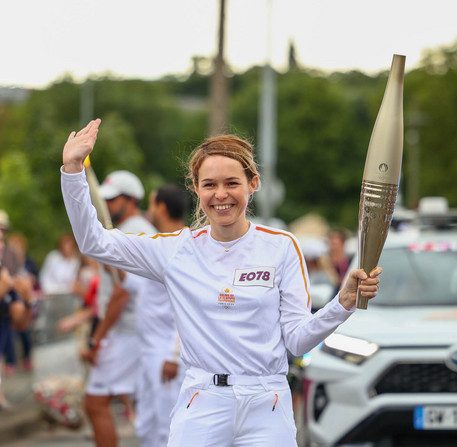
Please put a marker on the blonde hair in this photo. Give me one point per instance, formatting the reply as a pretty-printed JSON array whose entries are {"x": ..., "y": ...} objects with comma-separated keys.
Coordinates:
[{"x": 229, "y": 146}]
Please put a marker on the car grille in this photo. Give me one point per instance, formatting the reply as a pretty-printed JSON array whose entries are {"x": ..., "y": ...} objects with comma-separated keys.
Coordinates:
[{"x": 417, "y": 378}]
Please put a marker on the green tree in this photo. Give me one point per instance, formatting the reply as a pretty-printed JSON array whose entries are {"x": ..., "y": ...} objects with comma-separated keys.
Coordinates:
[{"x": 149, "y": 127}]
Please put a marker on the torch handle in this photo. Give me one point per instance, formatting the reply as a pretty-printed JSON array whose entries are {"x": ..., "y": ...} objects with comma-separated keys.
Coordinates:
[{"x": 377, "y": 202}]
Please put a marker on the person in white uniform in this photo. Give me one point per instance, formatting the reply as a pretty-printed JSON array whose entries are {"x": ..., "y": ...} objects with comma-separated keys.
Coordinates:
[
  {"x": 60, "y": 268},
  {"x": 161, "y": 372},
  {"x": 239, "y": 293},
  {"x": 114, "y": 348}
]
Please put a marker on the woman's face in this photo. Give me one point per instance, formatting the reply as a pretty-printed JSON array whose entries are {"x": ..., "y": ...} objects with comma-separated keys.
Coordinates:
[{"x": 224, "y": 191}]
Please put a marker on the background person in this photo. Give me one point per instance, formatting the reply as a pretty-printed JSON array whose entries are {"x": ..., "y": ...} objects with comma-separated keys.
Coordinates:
[
  {"x": 22, "y": 284},
  {"x": 28, "y": 274},
  {"x": 320, "y": 271},
  {"x": 85, "y": 319},
  {"x": 15, "y": 311},
  {"x": 337, "y": 256},
  {"x": 9, "y": 257},
  {"x": 114, "y": 348},
  {"x": 239, "y": 292},
  {"x": 161, "y": 371},
  {"x": 60, "y": 267},
  {"x": 11, "y": 261}
]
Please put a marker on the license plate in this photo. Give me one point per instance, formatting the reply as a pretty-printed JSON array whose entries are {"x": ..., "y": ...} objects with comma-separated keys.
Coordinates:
[{"x": 435, "y": 418}]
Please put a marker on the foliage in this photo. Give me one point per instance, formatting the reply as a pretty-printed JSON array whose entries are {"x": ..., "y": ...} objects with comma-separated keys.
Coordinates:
[{"x": 324, "y": 123}]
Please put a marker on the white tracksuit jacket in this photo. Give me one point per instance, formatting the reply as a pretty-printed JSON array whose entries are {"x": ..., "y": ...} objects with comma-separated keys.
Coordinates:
[{"x": 236, "y": 312}]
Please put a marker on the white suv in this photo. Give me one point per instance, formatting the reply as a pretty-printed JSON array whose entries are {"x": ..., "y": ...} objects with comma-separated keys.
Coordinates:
[{"x": 388, "y": 375}]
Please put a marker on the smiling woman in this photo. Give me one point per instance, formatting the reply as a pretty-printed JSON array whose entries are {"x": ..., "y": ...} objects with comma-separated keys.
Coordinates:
[
  {"x": 239, "y": 292},
  {"x": 224, "y": 175}
]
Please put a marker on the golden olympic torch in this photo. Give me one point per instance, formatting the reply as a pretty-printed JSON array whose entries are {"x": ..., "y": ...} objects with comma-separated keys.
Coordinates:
[{"x": 381, "y": 174}]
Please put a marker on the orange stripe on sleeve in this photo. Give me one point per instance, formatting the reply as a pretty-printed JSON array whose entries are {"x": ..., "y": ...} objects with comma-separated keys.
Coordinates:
[
  {"x": 176, "y": 234},
  {"x": 167, "y": 234},
  {"x": 265, "y": 230}
]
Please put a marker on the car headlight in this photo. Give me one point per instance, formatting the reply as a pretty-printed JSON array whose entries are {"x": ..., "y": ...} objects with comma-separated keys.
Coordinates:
[{"x": 351, "y": 349}]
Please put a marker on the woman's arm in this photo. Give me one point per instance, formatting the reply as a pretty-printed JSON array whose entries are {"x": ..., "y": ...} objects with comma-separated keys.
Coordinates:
[
  {"x": 138, "y": 254},
  {"x": 301, "y": 329}
]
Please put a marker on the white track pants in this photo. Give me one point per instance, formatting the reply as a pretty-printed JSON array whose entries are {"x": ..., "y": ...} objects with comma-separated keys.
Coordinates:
[
  {"x": 248, "y": 415},
  {"x": 155, "y": 400}
]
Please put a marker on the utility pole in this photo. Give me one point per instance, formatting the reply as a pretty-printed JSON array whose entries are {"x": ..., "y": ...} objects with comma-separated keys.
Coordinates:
[
  {"x": 219, "y": 83},
  {"x": 272, "y": 191},
  {"x": 86, "y": 103}
]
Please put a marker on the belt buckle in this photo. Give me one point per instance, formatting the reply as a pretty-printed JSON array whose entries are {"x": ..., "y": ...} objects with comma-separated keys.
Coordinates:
[{"x": 220, "y": 379}]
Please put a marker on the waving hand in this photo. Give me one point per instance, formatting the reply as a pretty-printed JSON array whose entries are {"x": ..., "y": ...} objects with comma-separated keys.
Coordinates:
[{"x": 78, "y": 146}]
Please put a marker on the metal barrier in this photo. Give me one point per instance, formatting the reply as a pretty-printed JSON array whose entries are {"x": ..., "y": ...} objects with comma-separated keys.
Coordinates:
[{"x": 52, "y": 308}]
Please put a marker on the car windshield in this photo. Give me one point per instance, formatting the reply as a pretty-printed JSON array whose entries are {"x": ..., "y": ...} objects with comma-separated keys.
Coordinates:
[{"x": 418, "y": 275}]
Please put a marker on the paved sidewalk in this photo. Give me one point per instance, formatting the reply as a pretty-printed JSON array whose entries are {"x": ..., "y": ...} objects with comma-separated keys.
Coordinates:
[
  {"x": 54, "y": 354},
  {"x": 23, "y": 417},
  {"x": 23, "y": 424}
]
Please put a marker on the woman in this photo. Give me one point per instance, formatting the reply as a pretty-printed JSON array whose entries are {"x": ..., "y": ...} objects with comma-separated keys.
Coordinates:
[{"x": 239, "y": 293}]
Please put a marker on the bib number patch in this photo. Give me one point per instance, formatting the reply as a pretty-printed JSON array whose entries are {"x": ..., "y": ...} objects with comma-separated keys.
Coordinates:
[{"x": 255, "y": 276}]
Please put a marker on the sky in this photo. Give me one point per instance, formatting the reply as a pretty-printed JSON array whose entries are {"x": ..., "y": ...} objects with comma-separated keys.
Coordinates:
[{"x": 42, "y": 40}]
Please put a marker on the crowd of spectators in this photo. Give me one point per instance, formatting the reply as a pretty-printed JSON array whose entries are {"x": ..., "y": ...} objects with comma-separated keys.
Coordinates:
[{"x": 24, "y": 286}]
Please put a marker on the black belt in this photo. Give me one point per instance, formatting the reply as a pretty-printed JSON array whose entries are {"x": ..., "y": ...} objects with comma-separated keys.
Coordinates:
[{"x": 220, "y": 379}]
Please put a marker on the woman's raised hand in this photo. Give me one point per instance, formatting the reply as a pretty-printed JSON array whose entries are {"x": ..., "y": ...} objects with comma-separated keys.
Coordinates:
[{"x": 78, "y": 146}]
